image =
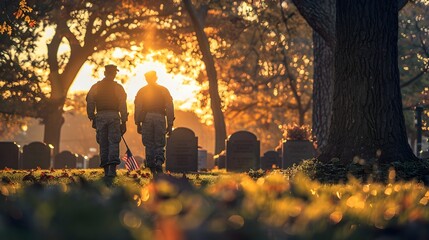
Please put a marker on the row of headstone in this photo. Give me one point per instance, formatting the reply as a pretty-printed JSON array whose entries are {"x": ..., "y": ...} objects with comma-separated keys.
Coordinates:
[
  {"x": 36, "y": 154},
  {"x": 241, "y": 154}
]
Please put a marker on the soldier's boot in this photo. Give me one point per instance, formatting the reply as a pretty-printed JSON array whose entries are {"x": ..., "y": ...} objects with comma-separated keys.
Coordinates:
[
  {"x": 152, "y": 168},
  {"x": 158, "y": 165},
  {"x": 150, "y": 163},
  {"x": 111, "y": 172},
  {"x": 158, "y": 169}
]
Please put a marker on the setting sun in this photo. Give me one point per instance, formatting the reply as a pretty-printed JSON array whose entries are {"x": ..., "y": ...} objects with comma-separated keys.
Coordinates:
[{"x": 182, "y": 89}]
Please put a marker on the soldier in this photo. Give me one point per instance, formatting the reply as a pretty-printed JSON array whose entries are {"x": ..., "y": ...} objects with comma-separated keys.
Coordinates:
[
  {"x": 107, "y": 109},
  {"x": 153, "y": 103}
]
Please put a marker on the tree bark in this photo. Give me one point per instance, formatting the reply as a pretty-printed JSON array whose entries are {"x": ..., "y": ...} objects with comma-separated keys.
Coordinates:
[
  {"x": 323, "y": 88},
  {"x": 318, "y": 15},
  {"x": 53, "y": 114},
  {"x": 215, "y": 101},
  {"x": 323, "y": 83},
  {"x": 53, "y": 122},
  {"x": 323, "y": 61},
  {"x": 367, "y": 118}
]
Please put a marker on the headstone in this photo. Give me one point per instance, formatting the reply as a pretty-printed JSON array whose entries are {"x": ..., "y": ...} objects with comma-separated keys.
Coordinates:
[
  {"x": 220, "y": 160},
  {"x": 294, "y": 151},
  {"x": 9, "y": 155},
  {"x": 182, "y": 151},
  {"x": 94, "y": 162},
  {"x": 202, "y": 159},
  {"x": 36, "y": 154},
  {"x": 270, "y": 160},
  {"x": 65, "y": 159},
  {"x": 242, "y": 152},
  {"x": 80, "y": 163},
  {"x": 210, "y": 161}
]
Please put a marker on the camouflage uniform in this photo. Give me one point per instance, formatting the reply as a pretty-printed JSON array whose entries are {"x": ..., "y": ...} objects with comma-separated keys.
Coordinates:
[
  {"x": 153, "y": 104},
  {"x": 153, "y": 138},
  {"x": 106, "y": 107},
  {"x": 108, "y": 136}
]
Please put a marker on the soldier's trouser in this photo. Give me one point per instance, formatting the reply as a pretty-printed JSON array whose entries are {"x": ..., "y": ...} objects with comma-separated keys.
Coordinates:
[
  {"x": 108, "y": 136},
  {"x": 153, "y": 137}
]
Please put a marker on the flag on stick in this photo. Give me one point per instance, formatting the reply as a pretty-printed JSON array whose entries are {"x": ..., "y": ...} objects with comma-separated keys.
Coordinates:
[{"x": 130, "y": 162}]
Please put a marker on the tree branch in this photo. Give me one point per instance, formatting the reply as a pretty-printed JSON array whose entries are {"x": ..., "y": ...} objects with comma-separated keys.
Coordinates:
[
  {"x": 319, "y": 19},
  {"x": 413, "y": 79},
  {"x": 401, "y": 4},
  {"x": 23, "y": 110}
]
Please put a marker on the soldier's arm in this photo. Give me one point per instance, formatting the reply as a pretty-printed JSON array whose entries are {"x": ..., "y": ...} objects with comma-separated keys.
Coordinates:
[
  {"x": 169, "y": 108},
  {"x": 90, "y": 102},
  {"x": 123, "y": 104}
]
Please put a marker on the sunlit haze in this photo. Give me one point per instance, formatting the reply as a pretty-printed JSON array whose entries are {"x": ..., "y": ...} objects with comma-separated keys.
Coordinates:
[{"x": 182, "y": 89}]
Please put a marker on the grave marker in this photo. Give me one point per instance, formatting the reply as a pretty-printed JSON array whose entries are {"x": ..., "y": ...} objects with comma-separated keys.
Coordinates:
[
  {"x": 202, "y": 159},
  {"x": 242, "y": 152},
  {"x": 9, "y": 155},
  {"x": 94, "y": 162},
  {"x": 271, "y": 159},
  {"x": 294, "y": 151},
  {"x": 36, "y": 154},
  {"x": 65, "y": 159},
  {"x": 182, "y": 151},
  {"x": 80, "y": 163}
]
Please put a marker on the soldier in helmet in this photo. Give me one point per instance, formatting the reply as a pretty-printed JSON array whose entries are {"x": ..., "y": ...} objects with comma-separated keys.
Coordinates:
[
  {"x": 154, "y": 116},
  {"x": 107, "y": 109}
]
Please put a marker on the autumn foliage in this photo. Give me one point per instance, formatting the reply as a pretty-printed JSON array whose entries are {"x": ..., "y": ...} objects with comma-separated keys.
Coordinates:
[
  {"x": 207, "y": 206},
  {"x": 296, "y": 132},
  {"x": 22, "y": 13}
]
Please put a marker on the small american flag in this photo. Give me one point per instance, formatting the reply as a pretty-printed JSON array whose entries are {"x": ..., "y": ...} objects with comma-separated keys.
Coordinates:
[{"x": 130, "y": 162}]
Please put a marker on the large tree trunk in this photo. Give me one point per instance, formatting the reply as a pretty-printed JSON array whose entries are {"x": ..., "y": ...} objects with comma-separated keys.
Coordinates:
[
  {"x": 367, "y": 118},
  {"x": 323, "y": 88},
  {"x": 320, "y": 15},
  {"x": 215, "y": 101},
  {"x": 323, "y": 83}
]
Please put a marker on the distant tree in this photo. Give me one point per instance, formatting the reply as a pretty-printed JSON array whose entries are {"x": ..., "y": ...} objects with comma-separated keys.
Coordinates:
[
  {"x": 88, "y": 28},
  {"x": 414, "y": 60},
  {"x": 198, "y": 16},
  {"x": 267, "y": 64}
]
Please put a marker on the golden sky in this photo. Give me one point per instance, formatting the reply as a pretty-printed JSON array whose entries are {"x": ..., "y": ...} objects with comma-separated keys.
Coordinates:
[{"x": 182, "y": 89}]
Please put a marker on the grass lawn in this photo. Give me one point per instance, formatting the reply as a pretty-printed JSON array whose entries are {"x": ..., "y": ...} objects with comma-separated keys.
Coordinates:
[{"x": 80, "y": 204}]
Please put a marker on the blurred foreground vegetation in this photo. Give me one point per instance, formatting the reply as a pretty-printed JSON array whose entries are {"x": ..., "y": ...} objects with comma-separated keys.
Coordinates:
[{"x": 80, "y": 204}]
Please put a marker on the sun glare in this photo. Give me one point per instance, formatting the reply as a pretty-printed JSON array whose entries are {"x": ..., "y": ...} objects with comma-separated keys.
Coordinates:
[{"x": 182, "y": 89}]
